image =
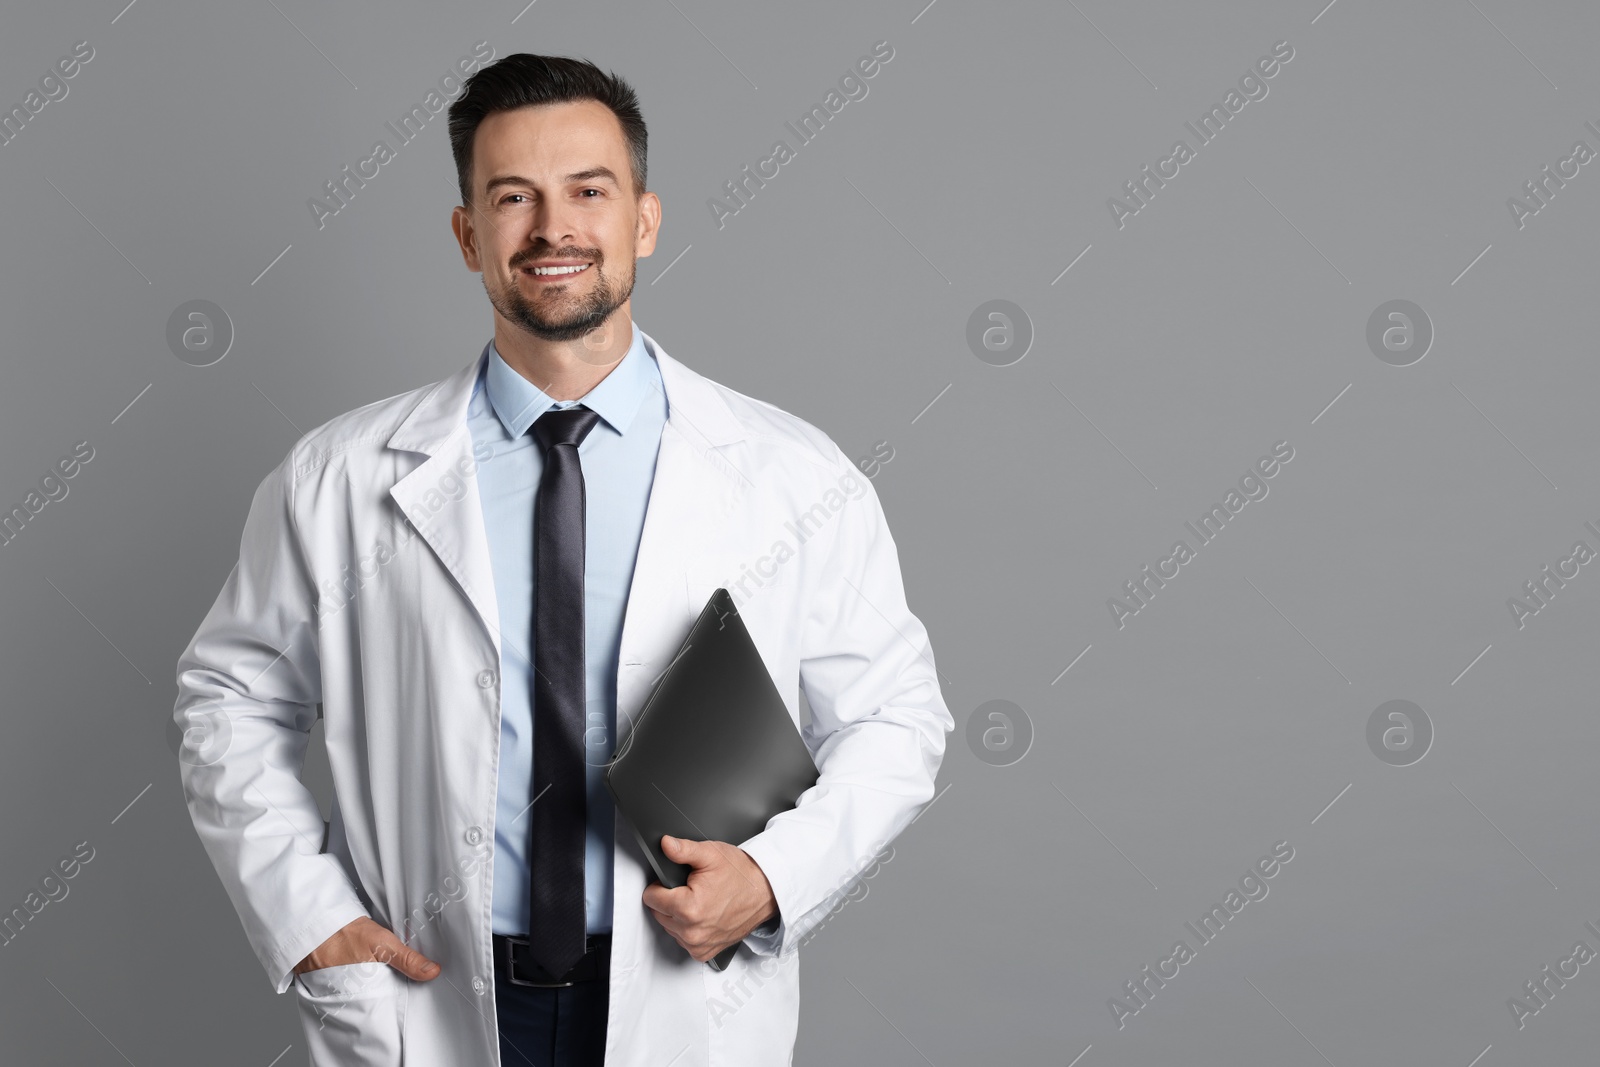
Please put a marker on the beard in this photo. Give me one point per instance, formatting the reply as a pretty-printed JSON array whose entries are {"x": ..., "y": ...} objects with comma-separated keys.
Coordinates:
[{"x": 562, "y": 316}]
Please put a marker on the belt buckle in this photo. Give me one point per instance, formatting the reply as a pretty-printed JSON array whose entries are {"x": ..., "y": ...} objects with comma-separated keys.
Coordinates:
[{"x": 511, "y": 944}]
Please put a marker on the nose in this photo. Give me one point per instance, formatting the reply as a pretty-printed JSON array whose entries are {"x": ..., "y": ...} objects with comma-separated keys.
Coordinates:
[{"x": 553, "y": 222}]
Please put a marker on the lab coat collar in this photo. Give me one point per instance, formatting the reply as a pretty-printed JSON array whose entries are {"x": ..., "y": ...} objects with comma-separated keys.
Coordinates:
[
  {"x": 695, "y": 486},
  {"x": 693, "y": 403}
]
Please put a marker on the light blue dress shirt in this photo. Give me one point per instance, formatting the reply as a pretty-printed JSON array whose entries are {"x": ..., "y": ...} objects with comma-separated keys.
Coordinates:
[{"x": 618, "y": 459}]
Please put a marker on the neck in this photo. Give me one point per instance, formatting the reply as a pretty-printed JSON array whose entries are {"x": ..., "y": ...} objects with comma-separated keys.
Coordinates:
[{"x": 566, "y": 370}]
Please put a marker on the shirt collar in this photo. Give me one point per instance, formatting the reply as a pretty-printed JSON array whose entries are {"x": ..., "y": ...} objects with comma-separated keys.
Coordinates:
[{"x": 517, "y": 402}]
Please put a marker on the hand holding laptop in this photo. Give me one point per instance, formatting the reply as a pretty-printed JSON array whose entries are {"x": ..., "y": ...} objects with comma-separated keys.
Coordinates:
[
  {"x": 726, "y": 897},
  {"x": 712, "y": 756}
]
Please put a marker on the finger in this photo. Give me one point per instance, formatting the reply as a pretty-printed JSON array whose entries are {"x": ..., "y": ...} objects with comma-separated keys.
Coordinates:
[
  {"x": 702, "y": 953},
  {"x": 668, "y": 922},
  {"x": 683, "y": 850},
  {"x": 690, "y": 937},
  {"x": 658, "y": 899},
  {"x": 683, "y": 910},
  {"x": 402, "y": 957},
  {"x": 685, "y": 942}
]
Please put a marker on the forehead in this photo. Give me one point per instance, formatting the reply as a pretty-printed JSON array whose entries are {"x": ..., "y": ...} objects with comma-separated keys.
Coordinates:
[{"x": 549, "y": 140}]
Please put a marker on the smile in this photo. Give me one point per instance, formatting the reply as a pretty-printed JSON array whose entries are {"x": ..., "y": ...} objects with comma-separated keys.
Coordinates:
[{"x": 556, "y": 272}]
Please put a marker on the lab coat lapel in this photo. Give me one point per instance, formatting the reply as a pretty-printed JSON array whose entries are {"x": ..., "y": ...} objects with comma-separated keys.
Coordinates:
[
  {"x": 695, "y": 489},
  {"x": 440, "y": 497}
]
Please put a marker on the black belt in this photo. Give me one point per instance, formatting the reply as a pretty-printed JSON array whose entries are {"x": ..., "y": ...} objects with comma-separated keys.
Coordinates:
[{"x": 513, "y": 959}]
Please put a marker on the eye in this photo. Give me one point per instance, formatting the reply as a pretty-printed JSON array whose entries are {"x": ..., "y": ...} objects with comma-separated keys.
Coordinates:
[
  {"x": 514, "y": 194},
  {"x": 592, "y": 189}
]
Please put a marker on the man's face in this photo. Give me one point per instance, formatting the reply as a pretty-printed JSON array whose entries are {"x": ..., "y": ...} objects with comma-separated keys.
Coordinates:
[{"x": 555, "y": 227}]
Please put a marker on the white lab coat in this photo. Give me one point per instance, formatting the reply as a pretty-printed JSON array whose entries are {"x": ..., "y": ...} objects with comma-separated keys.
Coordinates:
[{"x": 364, "y": 585}]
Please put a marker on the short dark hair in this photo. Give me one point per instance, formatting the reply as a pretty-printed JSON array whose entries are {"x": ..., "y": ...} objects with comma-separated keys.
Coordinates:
[{"x": 523, "y": 80}]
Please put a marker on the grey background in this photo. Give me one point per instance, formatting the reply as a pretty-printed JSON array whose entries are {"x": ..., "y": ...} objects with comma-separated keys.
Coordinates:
[{"x": 1224, "y": 317}]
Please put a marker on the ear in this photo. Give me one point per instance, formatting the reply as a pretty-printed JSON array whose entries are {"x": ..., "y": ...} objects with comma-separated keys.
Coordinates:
[
  {"x": 644, "y": 239},
  {"x": 461, "y": 223}
]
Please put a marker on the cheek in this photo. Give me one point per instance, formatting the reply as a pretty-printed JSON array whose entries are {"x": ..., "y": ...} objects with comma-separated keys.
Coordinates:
[{"x": 618, "y": 247}]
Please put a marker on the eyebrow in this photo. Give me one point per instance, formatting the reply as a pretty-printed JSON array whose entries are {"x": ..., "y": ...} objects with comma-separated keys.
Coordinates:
[{"x": 577, "y": 176}]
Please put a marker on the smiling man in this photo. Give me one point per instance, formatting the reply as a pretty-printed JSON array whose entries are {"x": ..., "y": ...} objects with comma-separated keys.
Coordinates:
[{"x": 565, "y": 503}]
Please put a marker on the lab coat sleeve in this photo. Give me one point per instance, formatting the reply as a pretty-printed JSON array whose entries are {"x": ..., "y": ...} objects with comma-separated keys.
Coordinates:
[
  {"x": 248, "y": 688},
  {"x": 878, "y": 726}
]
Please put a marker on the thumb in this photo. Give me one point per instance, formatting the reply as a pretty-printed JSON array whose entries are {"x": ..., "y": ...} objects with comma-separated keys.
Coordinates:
[
  {"x": 403, "y": 958},
  {"x": 680, "y": 849}
]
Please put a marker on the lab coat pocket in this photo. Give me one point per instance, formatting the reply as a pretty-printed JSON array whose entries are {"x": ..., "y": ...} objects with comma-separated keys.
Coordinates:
[{"x": 353, "y": 1014}]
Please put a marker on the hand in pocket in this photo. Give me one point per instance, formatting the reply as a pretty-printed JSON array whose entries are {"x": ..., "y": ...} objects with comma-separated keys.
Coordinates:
[{"x": 364, "y": 940}]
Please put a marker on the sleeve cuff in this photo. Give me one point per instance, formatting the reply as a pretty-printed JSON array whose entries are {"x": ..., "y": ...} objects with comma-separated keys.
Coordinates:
[
  {"x": 297, "y": 946},
  {"x": 766, "y": 939}
]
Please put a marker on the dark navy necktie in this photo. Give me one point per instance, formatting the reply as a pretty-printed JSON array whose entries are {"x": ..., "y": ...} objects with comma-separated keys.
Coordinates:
[{"x": 557, "y": 916}]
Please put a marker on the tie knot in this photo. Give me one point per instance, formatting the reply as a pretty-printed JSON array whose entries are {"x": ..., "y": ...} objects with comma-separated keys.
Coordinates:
[{"x": 563, "y": 426}]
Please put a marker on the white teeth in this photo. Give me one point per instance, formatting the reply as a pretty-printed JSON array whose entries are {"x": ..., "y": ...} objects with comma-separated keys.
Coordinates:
[{"x": 559, "y": 270}]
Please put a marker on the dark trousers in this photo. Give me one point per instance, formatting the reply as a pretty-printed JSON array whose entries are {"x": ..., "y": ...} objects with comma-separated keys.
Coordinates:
[{"x": 559, "y": 1027}]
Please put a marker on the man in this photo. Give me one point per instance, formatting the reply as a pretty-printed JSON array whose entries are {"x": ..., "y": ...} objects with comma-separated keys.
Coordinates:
[{"x": 478, "y": 582}]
